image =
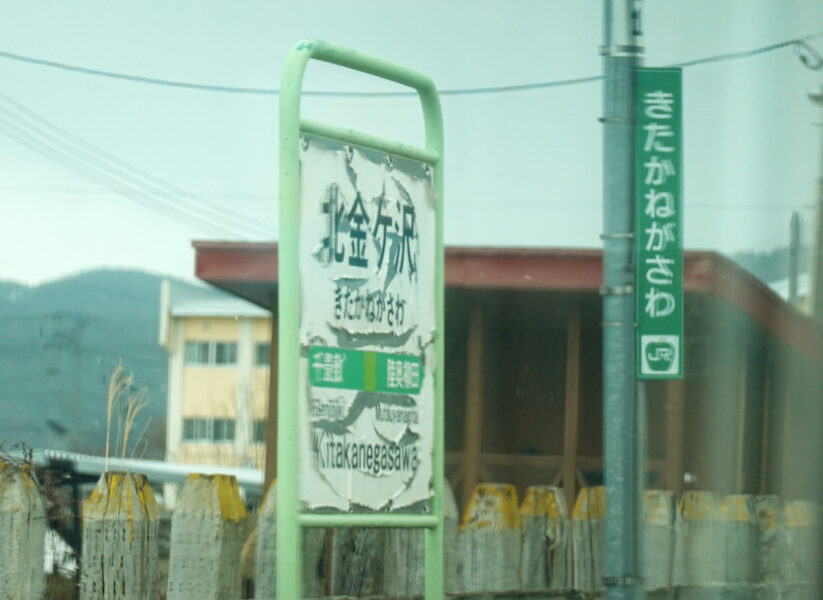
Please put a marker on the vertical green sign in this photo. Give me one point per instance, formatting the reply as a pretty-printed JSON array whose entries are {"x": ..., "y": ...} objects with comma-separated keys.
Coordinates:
[{"x": 659, "y": 223}]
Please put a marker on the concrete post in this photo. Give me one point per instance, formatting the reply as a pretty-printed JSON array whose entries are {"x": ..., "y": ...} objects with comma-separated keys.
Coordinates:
[
  {"x": 544, "y": 549},
  {"x": 658, "y": 538},
  {"x": 489, "y": 540},
  {"x": 207, "y": 534},
  {"x": 404, "y": 563},
  {"x": 450, "y": 551},
  {"x": 801, "y": 542},
  {"x": 699, "y": 547},
  {"x": 588, "y": 537},
  {"x": 404, "y": 560},
  {"x": 770, "y": 537},
  {"x": 741, "y": 539},
  {"x": 265, "y": 584},
  {"x": 265, "y": 556},
  {"x": 120, "y": 525},
  {"x": 22, "y": 534},
  {"x": 559, "y": 551},
  {"x": 357, "y": 561}
]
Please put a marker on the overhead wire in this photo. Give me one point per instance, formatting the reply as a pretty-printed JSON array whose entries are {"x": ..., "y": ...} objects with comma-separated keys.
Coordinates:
[
  {"x": 261, "y": 91},
  {"x": 103, "y": 167},
  {"x": 74, "y": 153},
  {"x": 64, "y": 160},
  {"x": 87, "y": 191},
  {"x": 169, "y": 188},
  {"x": 161, "y": 192}
]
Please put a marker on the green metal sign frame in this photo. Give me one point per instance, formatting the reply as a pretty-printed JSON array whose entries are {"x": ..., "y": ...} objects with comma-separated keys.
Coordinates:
[
  {"x": 290, "y": 519},
  {"x": 659, "y": 222}
]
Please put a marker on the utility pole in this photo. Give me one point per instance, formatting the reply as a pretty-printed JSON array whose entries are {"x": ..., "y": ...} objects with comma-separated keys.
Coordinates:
[
  {"x": 621, "y": 50},
  {"x": 816, "y": 299}
]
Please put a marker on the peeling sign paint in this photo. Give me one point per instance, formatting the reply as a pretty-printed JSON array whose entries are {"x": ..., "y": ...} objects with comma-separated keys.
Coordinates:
[{"x": 367, "y": 271}]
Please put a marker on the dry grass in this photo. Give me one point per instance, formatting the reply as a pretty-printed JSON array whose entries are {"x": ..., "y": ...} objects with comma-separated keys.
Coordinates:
[{"x": 128, "y": 406}]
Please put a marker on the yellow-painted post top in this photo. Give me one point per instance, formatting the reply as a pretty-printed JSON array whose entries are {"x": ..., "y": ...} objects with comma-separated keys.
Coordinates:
[
  {"x": 214, "y": 494},
  {"x": 492, "y": 506},
  {"x": 699, "y": 506},
  {"x": 738, "y": 509}
]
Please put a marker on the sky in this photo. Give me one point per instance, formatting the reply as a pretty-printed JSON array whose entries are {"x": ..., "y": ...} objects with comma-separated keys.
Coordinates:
[{"x": 522, "y": 168}]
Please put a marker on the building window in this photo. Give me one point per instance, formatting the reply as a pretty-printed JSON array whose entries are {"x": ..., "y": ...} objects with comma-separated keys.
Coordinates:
[
  {"x": 207, "y": 429},
  {"x": 258, "y": 434},
  {"x": 225, "y": 353},
  {"x": 197, "y": 353},
  {"x": 223, "y": 430},
  {"x": 261, "y": 354},
  {"x": 211, "y": 353}
]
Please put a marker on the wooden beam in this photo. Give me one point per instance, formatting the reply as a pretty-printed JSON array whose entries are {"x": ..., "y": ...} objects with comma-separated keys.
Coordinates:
[
  {"x": 571, "y": 418},
  {"x": 270, "y": 472},
  {"x": 473, "y": 430},
  {"x": 539, "y": 461},
  {"x": 543, "y": 461},
  {"x": 675, "y": 400},
  {"x": 456, "y": 457}
]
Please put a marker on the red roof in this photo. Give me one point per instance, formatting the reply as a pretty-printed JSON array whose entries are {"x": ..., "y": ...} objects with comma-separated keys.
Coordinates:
[{"x": 250, "y": 270}]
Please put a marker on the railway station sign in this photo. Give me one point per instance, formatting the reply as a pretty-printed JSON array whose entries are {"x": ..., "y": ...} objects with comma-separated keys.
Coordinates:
[
  {"x": 367, "y": 323},
  {"x": 659, "y": 223}
]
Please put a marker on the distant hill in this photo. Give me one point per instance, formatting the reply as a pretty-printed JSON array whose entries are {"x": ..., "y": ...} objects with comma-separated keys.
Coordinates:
[
  {"x": 60, "y": 342},
  {"x": 10, "y": 290}
]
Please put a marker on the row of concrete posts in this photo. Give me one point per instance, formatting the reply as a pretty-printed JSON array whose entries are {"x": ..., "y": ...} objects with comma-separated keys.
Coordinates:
[{"x": 741, "y": 545}]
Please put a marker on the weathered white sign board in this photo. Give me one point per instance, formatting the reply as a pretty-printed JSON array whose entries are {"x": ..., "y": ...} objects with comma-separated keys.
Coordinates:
[{"x": 367, "y": 273}]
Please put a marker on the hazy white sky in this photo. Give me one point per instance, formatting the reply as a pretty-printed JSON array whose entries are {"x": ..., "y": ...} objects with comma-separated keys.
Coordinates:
[{"x": 522, "y": 168}]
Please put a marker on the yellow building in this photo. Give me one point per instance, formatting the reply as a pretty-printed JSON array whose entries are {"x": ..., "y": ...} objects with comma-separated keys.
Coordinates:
[{"x": 218, "y": 377}]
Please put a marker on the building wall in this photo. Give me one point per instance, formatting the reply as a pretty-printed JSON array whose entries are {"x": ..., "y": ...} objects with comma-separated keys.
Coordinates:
[{"x": 203, "y": 397}]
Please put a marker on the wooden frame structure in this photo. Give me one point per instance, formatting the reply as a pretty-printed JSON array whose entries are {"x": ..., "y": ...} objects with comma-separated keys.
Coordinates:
[{"x": 753, "y": 371}]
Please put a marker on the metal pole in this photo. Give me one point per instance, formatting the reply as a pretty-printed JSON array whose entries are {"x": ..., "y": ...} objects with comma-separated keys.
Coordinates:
[
  {"x": 794, "y": 251},
  {"x": 622, "y": 31},
  {"x": 816, "y": 292}
]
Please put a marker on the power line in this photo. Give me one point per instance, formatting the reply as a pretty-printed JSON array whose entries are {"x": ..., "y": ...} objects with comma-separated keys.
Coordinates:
[
  {"x": 264, "y": 197},
  {"x": 123, "y": 169},
  {"x": 258, "y": 91},
  {"x": 79, "y": 156},
  {"x": 64, "y": 160},
  {"x": 83, "y": 191}
]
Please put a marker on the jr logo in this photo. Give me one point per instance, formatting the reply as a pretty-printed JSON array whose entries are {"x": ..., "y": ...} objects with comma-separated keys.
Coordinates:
[{"x": 659, "y": 353}]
